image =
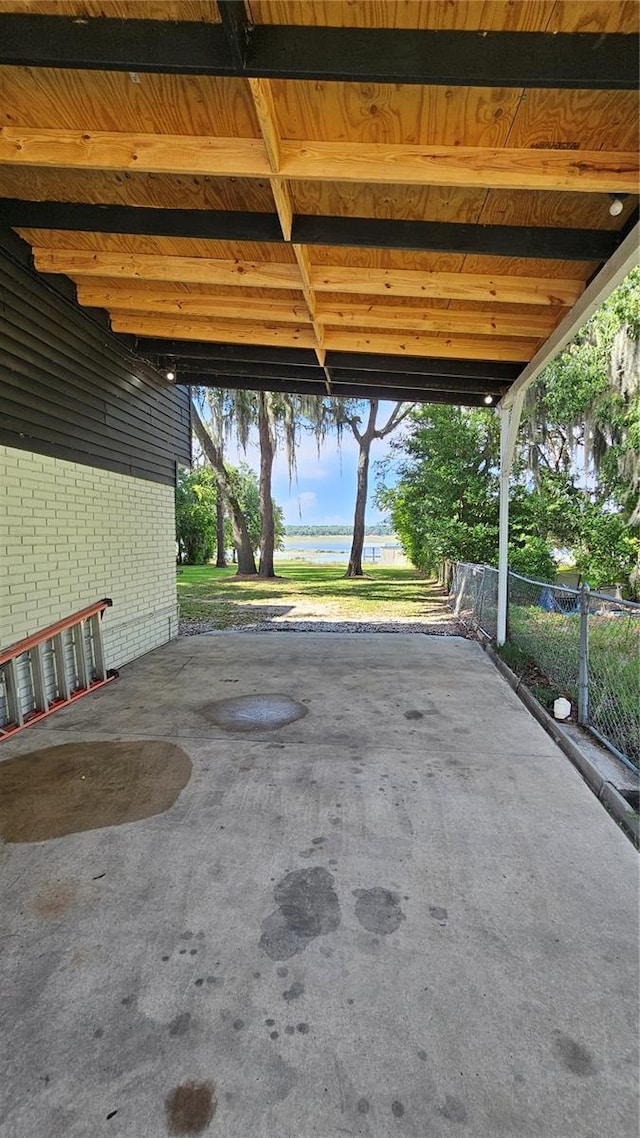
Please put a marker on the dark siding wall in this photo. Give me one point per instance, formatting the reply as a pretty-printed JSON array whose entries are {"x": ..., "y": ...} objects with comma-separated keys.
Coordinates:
[{"x": 68, "y": 389}]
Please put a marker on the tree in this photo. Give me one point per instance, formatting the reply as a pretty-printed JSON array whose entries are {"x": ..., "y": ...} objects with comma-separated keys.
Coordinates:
[
  {"x": 348, "y": 413},
  {"x": 196, "y": 500},
  {"x": 445, "y": 504},
  {"x": 267, "y": 440},
  {"x": 582, "y": 437},
  {"x": 247, "y": 489},
  {"x": 277, "y": 418},
  {"x": 241, "y": 539},
  {"x": 216, "y": 406}
]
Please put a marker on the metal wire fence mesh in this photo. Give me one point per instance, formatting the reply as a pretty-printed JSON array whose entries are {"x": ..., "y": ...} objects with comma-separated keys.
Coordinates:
[
  {"x": 614, "y": 674},
  {"x": 579, "y": 644}
]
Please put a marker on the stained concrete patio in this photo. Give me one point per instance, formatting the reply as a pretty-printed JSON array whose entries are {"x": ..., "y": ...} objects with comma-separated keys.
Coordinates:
[{"x": 402, "y": 914}]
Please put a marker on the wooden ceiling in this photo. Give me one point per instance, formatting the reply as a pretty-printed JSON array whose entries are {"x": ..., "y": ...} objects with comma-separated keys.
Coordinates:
[{"x": 392, "y": 197}]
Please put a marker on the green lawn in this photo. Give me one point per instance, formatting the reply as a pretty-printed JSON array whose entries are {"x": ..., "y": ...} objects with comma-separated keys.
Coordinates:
[{"x": 220, "y": 597}]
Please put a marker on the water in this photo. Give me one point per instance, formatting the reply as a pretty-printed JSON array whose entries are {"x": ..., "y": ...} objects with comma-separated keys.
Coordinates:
[{"x": 333, "y": 550}]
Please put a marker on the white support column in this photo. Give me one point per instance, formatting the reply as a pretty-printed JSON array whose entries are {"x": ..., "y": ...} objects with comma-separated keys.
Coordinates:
[
  {"x": 509, "y": 423},
  {"x": 503, "y": 540}
]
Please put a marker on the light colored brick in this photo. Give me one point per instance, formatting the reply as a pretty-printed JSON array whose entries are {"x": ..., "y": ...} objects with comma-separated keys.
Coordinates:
[{"x": 86, "y": 534}]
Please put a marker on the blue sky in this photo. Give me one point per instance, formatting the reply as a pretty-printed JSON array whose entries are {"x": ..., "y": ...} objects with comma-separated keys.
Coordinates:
[{"x": 323, "y": 491}]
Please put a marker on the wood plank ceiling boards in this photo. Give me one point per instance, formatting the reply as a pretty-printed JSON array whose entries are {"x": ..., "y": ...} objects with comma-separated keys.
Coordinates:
[{"x": 394, "y": 199}]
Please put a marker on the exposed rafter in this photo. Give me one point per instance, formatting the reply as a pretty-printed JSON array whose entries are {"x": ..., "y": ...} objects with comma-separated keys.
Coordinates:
[
  {"x": 168, "y": 300},
  {"x": 451, "y": 58},
  {"x": 290, "y": 335},
  {"x": 512, "y": 168},
  {"x": 78, "y": 263}
]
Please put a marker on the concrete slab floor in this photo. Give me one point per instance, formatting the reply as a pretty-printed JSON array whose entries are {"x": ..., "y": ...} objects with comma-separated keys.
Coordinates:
[{"x": 402, "y": 914}]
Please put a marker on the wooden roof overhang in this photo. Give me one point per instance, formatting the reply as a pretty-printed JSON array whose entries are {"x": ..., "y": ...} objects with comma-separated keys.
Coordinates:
[{"x": 392, "y": 198}]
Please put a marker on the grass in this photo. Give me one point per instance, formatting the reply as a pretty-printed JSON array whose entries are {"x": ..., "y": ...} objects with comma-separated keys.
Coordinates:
[
  {"x": 219, "y": 596},
  {"x": 544, "y": 648}
]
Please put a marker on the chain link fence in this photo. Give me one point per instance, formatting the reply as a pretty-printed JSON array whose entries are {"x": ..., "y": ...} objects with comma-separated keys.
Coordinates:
[{"x": 571, "y": 642}]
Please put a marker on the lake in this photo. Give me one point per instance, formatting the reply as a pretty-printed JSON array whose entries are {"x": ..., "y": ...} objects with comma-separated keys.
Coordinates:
[{"x": 334, "y": 549}]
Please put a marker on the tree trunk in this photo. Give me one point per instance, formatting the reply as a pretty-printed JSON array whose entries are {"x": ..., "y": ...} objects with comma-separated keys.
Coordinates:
[
  {"x": 267, "y": 528},
  {"x": 221, "y": 557},
  {"x": 364, "y": 440},
  {"x": 241, "y": 539},
  {"x": 354, "y": 567}
]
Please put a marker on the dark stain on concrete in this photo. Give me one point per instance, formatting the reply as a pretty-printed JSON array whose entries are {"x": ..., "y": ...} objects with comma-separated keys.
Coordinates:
[
  {"x": 413, "y": 715},
  {"x": 282, "y": 972},
  {"x": 273, "y": 1035},
  {"x": 56, "y": 791},
  {"x": 308, "y": 907},
  {"x": 289, "y": 1029},
  {"x": 190, "y": 1108},
  {"x": 238, "y": 1024},
  {"x": 318, "y": 841},
  {"x": 378, "y": 910},
  {"x": 303, "y": 1028},
  {"x": 397, "y": 1108},
  {"x": 422, "y": 1055},
  {"x": 438, "y": 913},
  {"x": 573, "y": 1055},
  {"x": 180, "y": 1025},
  {"x": 254, "y": 712},
  {"x": 294, "y": 992},
  {"x": 363, "y": 1106},
  {"x": 453, "y": 1110}
]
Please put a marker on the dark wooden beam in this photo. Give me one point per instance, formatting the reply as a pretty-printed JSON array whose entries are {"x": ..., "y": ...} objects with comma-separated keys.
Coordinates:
[
  {"x": 424, "y": 365},
  {"x": 237, "y": 30},
  {"x": 105, "y": 44},
  {"x": 344, "y": 390},
  {"x": 217, "y": 224},
  {"x": 196, "y": 375},
  {"x": 381, "y": 233},
  {"x": 243, "y": 360},
  {"x": 445, "y": 58},
  {"x": 152, "y": 348},
  {"x": 238, "y": 370},
  {"x": 377, "y": 55},
  {"x": 391, "y": 380},
  {"x": 540, "y": 242}
]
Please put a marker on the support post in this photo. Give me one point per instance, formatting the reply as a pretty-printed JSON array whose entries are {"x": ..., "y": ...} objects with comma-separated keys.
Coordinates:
[
  {"x": 503, "y": 538},
  {"x": 509, "y": 423},
  {"x": 583, "y": 672}
]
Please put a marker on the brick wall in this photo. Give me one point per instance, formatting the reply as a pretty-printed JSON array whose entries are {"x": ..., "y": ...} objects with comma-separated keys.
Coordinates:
[{"x": 71, "y": 534}]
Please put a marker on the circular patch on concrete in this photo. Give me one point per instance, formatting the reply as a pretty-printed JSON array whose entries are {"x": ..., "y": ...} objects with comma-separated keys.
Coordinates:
[
  {"x": 84, "y": 786},
  {"x": 254, "y": 712}
]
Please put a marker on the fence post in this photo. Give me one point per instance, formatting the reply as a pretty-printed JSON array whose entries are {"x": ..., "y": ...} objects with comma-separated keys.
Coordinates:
[{"x": 583, "y": 670}]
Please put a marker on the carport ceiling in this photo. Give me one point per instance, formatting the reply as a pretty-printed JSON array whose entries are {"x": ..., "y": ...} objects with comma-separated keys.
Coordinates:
[{"x": 401, "y": 198}]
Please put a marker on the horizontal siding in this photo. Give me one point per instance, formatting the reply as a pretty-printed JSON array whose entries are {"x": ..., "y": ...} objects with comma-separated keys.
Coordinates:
[{"x": 69, "y": 389}]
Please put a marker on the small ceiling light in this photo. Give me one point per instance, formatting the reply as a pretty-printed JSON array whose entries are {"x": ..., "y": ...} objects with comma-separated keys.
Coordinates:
[
  {"x": 171, "y": 375},
  {"x": 617, "y": 206},
  {"x": 488, "y": 400}
]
